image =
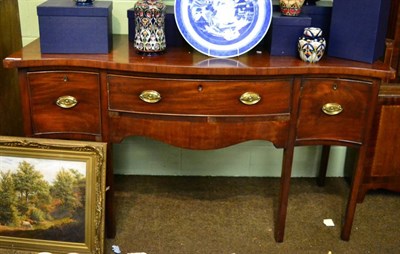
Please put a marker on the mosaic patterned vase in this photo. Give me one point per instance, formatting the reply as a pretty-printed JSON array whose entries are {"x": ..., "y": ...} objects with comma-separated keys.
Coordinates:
[
  {"x": 291, "y": 7},
  {"x": 311, "y": 45},
  {"x": 150, "y": 26},
  {"x": 84, "y": 2}
]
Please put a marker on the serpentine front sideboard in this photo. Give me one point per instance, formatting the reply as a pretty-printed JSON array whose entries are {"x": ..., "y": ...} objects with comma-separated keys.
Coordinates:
[{"x": 192, "y": 101}]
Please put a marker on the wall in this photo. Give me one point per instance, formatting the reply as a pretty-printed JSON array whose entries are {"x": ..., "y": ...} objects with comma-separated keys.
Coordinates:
[{"x": 138, "y": 155}]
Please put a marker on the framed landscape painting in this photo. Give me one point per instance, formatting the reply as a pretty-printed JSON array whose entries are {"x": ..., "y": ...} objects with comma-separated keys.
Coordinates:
[{"x": 52, "y": 195}]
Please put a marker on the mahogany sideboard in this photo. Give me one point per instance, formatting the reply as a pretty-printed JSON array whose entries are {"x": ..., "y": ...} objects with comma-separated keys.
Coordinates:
[{"x": 192, "y": 101}]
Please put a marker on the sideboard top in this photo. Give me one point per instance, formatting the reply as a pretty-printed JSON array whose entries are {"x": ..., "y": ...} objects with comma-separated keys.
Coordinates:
[{"x": 123, "y": 57}]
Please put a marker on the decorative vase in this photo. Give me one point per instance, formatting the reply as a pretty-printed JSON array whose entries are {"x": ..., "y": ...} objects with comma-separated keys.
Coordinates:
[
  {"x": 150, "y": 26},
  {"x": 291, "y": 7},
  {"x": 84, "y": 2},
  {"x": 311, "y": 45}
]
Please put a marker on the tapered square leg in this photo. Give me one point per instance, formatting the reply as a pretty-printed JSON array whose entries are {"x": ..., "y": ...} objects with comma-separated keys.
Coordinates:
[
  {"x": 284, "y": 193},
  {"x": 109, "y": 213},
  {"x": 353, "y": 195},
  {"x": 323, "y": 167}
]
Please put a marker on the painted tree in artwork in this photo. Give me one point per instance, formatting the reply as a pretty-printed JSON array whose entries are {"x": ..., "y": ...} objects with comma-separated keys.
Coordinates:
[
  {"x": 8, "y": 205},
  {"x": 80, "y": 193},
  {"x": 31, "y": 188},
  {"x": 66, "y": 190}
]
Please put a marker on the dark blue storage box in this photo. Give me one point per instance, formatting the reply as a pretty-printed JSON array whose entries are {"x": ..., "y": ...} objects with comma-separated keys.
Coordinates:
[
  {"x": 358, "y": 29},
  {"x": 173, "y": 37},
  {"x": 284, "y": 33},
  {"x": 320, "y": 15},
  {"x": 67, "y": 28}
]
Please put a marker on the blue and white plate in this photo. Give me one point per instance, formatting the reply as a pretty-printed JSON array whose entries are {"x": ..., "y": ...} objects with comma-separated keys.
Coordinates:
[{"x": 223, "y": 28}]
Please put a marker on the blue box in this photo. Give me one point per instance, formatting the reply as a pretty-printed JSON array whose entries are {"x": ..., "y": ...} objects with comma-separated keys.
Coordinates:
[
  {"x": 358, "y": 29},
  {"x": 320, "y": 16},
  {"x": 284, "y": 33},
  {"x": 67, "y": 28},
  {"x": 173, "y": 36}
]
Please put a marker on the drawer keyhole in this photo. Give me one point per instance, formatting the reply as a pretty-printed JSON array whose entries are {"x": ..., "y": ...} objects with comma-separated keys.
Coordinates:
[{"x": 199, "y": 88}]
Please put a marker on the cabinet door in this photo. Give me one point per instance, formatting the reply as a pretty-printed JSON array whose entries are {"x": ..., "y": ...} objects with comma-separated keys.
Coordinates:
[
  {"x": 64, "y": 102},
  {"x": 382, "y": 163},
  {"x": 386, "y": 160},
  {"x": 385, "y": 137},
  {"x": 329, "y": 107}
]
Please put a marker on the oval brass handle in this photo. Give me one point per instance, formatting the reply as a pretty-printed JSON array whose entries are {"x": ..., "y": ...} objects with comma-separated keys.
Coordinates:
[
  {"x": 66, "y": 101},
  {"x": 332, "y": 108},
  {"x": 150, "y": 96},
  {"x": 250, "y": 98}
]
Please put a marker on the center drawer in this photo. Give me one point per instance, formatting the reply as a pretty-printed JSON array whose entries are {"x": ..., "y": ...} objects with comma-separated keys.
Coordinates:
[{"x": 198, "y": 97}]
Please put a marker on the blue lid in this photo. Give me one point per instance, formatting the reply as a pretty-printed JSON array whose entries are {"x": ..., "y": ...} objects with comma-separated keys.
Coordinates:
[{"x": 69, "y": 8}]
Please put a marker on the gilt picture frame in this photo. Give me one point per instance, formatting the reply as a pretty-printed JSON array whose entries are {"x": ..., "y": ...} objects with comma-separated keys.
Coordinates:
[{"x": 52, "y": 195}]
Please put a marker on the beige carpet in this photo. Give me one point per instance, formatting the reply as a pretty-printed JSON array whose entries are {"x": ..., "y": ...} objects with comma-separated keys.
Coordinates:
[{"x": 207, "y": 215}]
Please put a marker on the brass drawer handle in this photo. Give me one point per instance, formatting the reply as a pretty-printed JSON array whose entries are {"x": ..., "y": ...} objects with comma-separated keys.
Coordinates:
[
  {"x": 332, "y": 109},
  {"x": 66, "y": 101},
  {"x": 150, "y": 96},
  {"x": 250, "y": 98}
]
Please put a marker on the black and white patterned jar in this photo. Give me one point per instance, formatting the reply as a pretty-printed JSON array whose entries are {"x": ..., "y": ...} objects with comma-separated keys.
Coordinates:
[
  {"x": 150, "y": 26},
  {"x": 311, "y": 45}
]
